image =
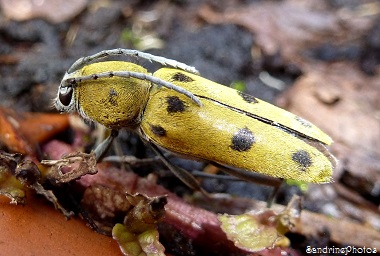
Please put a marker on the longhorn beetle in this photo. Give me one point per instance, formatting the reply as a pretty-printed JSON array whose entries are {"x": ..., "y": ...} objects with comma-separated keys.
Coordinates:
[{"x": 176, "y": 109}]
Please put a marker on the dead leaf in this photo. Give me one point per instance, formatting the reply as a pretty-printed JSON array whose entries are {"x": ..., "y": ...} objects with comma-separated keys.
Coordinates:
[
  {"x": 39, "y": 229},
  {"x": 105, "y": 207},
  {"x": 10, "y": 186},
  {"x": 247, "y": 233},
  {"x": 255, "y": 231},
  {"x": 54, "y": 11},
  {"x": 140, "y": 226},
  {"x": 344, "y": 103},
  {"x": 290, "y": 27},
  {"x": 21, "y": 132},
  {"x": 342, "y": 230},
  {"x": 283, "y": 26},
  {"x": 144, "y": 244},
  {"x": 70, "y": 167},
  {"x": 140, "y": 215},
  {"x": 17, "y": 175},
  {"x": 199, "y": 225}
]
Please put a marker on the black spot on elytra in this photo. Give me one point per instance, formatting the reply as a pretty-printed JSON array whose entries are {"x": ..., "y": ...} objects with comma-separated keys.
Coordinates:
[
  {"x": 175, "y": 104},
  {"x": 303, "y": 122},
  {"x": 242, "y": 140},
  {"x": 248, "y": 98},
  {"x": 302, "y": 158},
  {"x": 112, "y": 97},
  {"x": 158, "y": 130},
  {"x": 180, "y": 77}
]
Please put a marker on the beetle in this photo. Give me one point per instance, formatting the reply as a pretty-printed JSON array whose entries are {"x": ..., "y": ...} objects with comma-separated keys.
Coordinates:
[{"x": 178, "y": 110}]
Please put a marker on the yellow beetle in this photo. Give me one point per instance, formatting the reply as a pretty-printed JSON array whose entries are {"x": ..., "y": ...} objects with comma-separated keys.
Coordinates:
[{"x": 182, "y": 112}]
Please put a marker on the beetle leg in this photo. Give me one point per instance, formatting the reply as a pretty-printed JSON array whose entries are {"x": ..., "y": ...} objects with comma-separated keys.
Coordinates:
[
  {"x": 272, "y": 197},
  {"x": 186, "y": 177},
  {"x": 103, "y": 147},
  {"x": 255, "y": 178}
]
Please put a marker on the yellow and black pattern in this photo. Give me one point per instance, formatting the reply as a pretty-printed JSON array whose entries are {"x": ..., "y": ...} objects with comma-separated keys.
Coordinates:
[
  {"x": 227, "y": 135},
  {"x": 197, "y": 118}
]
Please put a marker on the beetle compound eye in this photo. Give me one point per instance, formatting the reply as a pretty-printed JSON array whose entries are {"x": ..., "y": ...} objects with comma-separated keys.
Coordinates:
[{"x": 65, "y": 95}]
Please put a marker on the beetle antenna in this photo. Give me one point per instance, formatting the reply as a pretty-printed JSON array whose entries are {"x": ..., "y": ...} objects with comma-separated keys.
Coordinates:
[
  {"x": 137, "y": 75},
  {"x": 80, "y": 63}
]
